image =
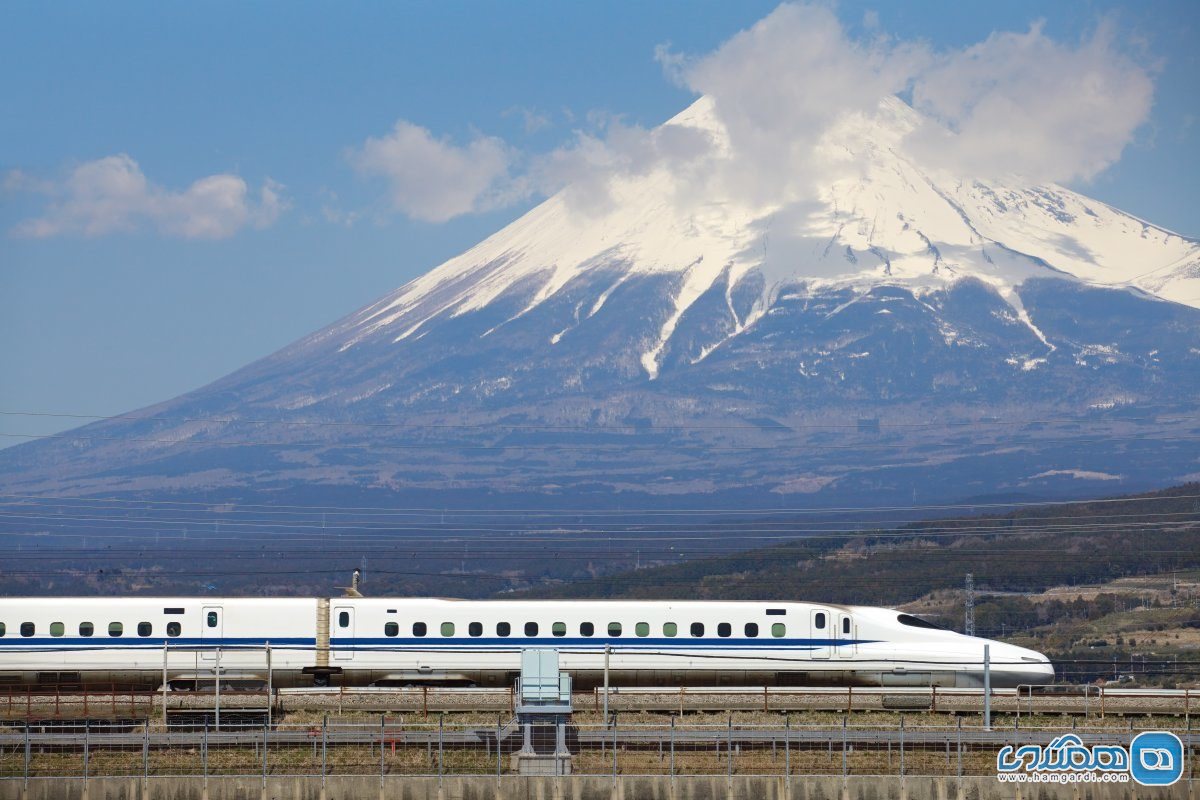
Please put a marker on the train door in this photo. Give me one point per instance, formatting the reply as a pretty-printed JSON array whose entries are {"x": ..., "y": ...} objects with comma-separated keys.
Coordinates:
[
  {"x": 343, "y": 633},
  {"x": 844, "y": 633},
  {"x": 211, "y": 627},
  {"x": 818, "y": 631}
]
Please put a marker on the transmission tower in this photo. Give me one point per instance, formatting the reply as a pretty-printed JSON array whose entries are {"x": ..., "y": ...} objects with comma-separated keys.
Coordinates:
[{"x": 969, "y": 626}]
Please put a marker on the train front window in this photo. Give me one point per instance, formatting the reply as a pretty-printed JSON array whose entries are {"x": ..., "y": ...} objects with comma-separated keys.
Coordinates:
[{"x": 917, "y": 622}]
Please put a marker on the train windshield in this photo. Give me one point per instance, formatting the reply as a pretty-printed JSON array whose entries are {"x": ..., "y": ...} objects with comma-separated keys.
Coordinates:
[{"x": 917, "y": 622}]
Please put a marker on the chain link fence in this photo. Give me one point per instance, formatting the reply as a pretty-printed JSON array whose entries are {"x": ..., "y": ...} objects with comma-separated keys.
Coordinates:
[{"x": 432, "y": 747}]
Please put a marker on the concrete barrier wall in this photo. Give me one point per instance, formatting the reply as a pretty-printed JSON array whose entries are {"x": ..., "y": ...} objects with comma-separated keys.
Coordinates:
[{"x": 575, "y": 788}]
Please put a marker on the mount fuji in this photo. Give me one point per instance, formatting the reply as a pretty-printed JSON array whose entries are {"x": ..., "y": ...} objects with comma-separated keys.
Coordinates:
[{"x": 899, "y": 333}]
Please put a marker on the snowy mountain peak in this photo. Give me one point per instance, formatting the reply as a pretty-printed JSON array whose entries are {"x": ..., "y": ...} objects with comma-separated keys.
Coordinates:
[{"x": 875, "y": 217}]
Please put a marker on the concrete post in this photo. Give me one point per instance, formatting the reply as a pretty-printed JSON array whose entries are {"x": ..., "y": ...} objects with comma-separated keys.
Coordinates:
[{"x": 987, "y": 687}]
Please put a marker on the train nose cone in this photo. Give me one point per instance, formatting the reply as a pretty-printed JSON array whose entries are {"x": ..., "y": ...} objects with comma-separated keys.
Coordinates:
[{"x": 1024, "y": 666}]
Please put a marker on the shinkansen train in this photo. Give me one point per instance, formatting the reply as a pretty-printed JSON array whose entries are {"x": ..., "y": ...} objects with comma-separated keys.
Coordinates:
[{"x": 191, "y": 642}]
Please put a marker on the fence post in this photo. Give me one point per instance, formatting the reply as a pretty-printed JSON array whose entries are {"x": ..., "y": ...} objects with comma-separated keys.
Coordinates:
[
  {"x": 324, "y": 747},
  {"x": 86, "y": 749},
  {"x": 498, "y": 766},
  {"x": 729, "y": 748},
  {"x": 958, "y": 740},
  {"x": 204, "y": 753},
  {"x": 843, "y": 747},
  {"x": 26, "y": 781},
  {"x": 441, "y": 750},
  {"x": 164, "y": 684},
  {"x": 672, "y": 750},
  {"x": 787, "y": 746},
  {"x": 217, "y": 688},
  {"x": 266, "y": 748},
  {"x": 614, "y": 750},
  {"x": 901, "y": 745},
  {"x": 382, "y": 736},
  {"x": 146, "y": 752},
  {"x": 270, "y": 685}
]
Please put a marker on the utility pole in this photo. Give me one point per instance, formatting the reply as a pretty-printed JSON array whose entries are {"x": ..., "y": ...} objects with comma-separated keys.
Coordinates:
[{"x": 969, "y": 622}]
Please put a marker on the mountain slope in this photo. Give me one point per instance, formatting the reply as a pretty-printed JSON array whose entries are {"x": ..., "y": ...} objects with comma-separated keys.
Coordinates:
[{"x": 901, "y": 331}]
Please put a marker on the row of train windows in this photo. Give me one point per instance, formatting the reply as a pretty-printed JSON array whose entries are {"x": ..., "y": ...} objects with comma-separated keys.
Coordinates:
[
  {"x": 28, "y": 629},
  {"x": 669, "y": 629}
]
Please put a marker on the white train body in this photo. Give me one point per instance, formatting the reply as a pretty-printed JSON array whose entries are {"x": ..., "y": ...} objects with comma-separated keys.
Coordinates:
[{"x": 361, "y": 641}]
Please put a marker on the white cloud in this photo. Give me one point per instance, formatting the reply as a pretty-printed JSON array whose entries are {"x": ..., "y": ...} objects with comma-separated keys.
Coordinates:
[
  {"x": 782, "y": 96},
  {"x": 112, "y": 195},
  {"x": 781, "y": 85},
  {"x": 433, "y": 179},
  {"x": 1024, "y": 104}
]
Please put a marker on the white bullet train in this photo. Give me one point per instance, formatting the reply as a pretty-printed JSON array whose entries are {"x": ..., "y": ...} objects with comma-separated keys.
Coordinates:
[{"x": 71, "y": 641}]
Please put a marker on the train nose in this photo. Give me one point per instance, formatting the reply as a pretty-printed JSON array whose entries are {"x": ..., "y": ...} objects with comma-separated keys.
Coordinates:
[{"x": 1022, "y": 666}]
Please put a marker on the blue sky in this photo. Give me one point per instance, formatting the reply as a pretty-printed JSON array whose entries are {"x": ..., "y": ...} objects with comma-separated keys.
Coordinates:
[{"x": 103, "y": 311}]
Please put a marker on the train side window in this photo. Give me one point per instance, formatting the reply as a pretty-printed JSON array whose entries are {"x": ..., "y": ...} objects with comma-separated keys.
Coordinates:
[
  {"x": 3, "y": 629},
  {"x": 389, "y": 629},
  {"x": 86, "y": 629},
  {"x": 724, "y": 630},
  {"x": 343, "y": 619},
  {"x": 420, "y": 629},
  {"x": 174, "y": 629},
  {"x": 587, "y": 629},
  {"x": 211, "y": 620},
  {"x": 475, "y": 629},
  {"x": 779, "y": 630},
  {"x": 697, "y": 629},
  {"x": 614, "y": 629},
  {"x": 28, "y": 629},
  {"x": 559, "y": 629},
  {"x": 531, "y": 628},
  {"x": 503, "y": 629},
  {"x": 115, "y": 629},
  {"x": 846, "y": 625},
  {"x": 670, "y": 629},
  {"x": 57, "y": 629},
  {"x": 642, "y": 629},
  {"x": 145, "y": 629},
  {"x": 447, "y": 629},
  {"x": 819, "y": 621},
  {"x": 751, "y": 630}
]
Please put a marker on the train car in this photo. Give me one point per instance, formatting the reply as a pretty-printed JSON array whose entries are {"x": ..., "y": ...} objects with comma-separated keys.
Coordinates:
[{"x": 414, "y": 641}]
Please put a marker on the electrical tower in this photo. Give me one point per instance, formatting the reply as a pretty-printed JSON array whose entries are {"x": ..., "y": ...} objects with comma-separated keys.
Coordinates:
[{"x": 969, "y": 622}]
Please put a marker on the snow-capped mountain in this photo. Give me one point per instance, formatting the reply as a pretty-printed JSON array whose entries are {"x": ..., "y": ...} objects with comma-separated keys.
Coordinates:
[{"x": 898, "y": 330}]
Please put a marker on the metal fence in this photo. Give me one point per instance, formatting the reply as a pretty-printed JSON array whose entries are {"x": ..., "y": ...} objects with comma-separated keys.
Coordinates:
[{"x": 420, "y": 747}]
